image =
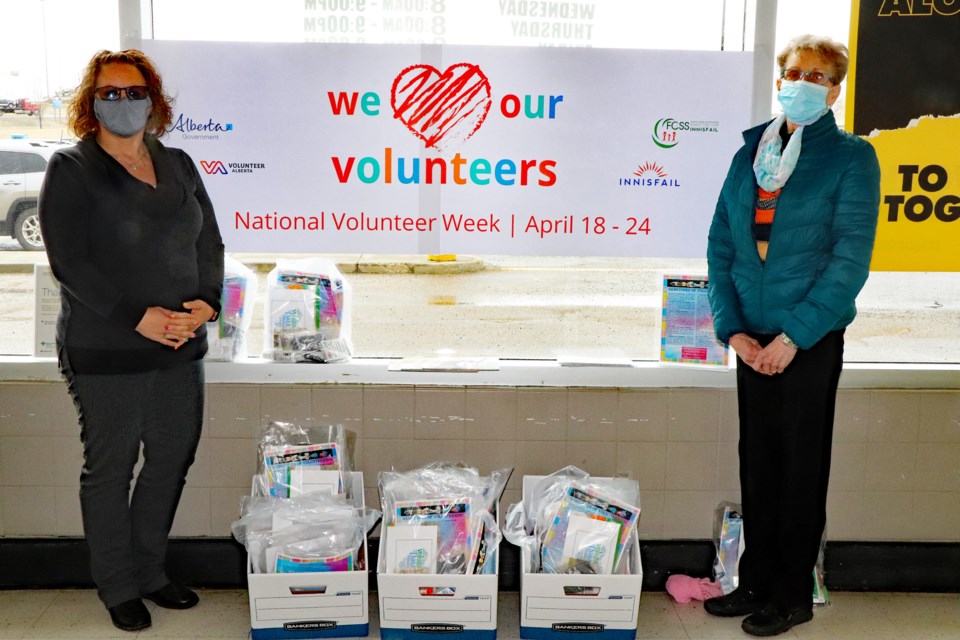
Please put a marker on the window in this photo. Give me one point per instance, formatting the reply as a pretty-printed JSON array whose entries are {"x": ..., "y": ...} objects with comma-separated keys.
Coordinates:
[{"x": 514, "y": 307}]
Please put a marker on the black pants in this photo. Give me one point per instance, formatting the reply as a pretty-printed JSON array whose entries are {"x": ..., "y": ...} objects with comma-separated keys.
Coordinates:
[
  {"x": 786, "y": 429},
  {"x": 127, "y": 534}
]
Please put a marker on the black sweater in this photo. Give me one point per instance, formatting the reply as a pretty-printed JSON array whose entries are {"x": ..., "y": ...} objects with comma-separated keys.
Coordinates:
[{"x": 118, "y": 246}]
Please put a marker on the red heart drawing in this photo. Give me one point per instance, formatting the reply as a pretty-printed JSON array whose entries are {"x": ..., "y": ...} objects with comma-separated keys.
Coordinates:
[{"x": 441, "y": 108}]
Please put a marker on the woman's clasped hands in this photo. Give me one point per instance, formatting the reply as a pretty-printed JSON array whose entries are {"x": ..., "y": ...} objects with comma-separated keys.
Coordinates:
[
  {"x": 769, "y": 360},
  {"x": 174, "y": 328}
]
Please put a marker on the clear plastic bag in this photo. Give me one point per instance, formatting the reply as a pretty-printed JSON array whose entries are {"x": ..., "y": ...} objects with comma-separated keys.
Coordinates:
[
  {"x": 729, "y": 542},
  {"x": 227, "y": 337},
  {"x": 314, "y": 532},
  {"x": 439, "y": 519},
  {"x": 570, "y": 522},
  {"x": 294, "y": 461},
  {"x": 307, "y": 312}
]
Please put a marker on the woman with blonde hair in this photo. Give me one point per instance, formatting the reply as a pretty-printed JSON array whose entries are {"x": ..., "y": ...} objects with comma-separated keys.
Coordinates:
[{"x": 789, "y": 250}]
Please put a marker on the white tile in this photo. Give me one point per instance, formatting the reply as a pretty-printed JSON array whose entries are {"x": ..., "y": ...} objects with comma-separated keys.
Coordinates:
[
  {"x": 596, "y": 458},
  {"x": 388, "y": 412},
  {"x": 891, "y": 466},
  {"x": 940, "y": 416},
  {"x": 220, "y": 614},
  {"x": 657, "y": 618},
  {"x": 69, "y": 516},
  {"x": 688, "y": 514},
  {"x": 691, "y": 466},
  {"x": 285, "y": 403},
  {"x": 894, "y": 416},
  {"x": 233, "y": 461},
  {"x": 23, "y": 459},
  {"x": 225, "y": 508},
  {"x": 592, "y": 415},
  {"x": 29, "y": 511},
  {"x": 490, "y": 414},
  {"x": 643, "y": 416},
  {"x": 694, "y": 415},
  {"x": 650, "y": 526},
  {"x": 700, "y": 625},
  {"x": 20, "y": 609},
  {"x": 645, "y": 462},
  {"x": 193, "y": 514},
  {"x": 851, "y": 616},
  {"x": 932, "y": 616},
  {"x": 76, "y": 615},
  {"x": 232, "y": 411},
  {"x": 542, "y": 414},
  {"x": 37, "y": 409},
  {"x": 439, "y": 413}
]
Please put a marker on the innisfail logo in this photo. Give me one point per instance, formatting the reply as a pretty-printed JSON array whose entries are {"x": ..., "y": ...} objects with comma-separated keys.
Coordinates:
[
  {"x": 437, "y": 627},
  {"x": 577, "y": 627},
  {"x": 309, "y": 625},
  {"x": 214, "y": 167},
  {"x": 649, "y": 174},
  {"x": 666, "y": 130},
  {"x": 200, "y": 129}
]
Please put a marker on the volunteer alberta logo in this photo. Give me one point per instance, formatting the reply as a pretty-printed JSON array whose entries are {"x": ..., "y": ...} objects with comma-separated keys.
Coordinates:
[{"x": 218, "y": 167}]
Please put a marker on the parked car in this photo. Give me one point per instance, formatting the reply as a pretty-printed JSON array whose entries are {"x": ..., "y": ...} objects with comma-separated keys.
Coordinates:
[
  {"x": 7, "y": 106},
  {"x": 22, "y": 165}
]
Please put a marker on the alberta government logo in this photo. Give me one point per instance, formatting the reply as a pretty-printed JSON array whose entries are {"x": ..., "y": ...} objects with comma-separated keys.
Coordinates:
[
  {"x": 200, "y": 129},
  {"x": 649, "y": 174},
  {"x": 667, "y": 132},
  {"x": 215, "y": 167}
]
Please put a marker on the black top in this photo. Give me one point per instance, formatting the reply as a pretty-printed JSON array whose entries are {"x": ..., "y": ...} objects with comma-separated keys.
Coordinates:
[{"x": 118, "y": 246}]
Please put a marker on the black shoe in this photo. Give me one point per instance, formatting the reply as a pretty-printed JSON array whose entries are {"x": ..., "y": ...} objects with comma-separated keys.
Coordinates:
[
  {"x": 131, "y": 615},
  {"x": 770, "y": 622},
  {"x": 173, "y": 596},
  {"x": 739, "y": 602}
]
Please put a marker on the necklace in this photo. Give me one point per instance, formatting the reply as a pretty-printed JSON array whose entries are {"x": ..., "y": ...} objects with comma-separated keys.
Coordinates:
[{"x": 136, "y": 164}]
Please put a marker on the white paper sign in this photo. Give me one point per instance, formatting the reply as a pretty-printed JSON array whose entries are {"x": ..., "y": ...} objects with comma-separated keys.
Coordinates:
[
  {"x": 338, "y": 148},
  {"x": 46, "y": 308}
]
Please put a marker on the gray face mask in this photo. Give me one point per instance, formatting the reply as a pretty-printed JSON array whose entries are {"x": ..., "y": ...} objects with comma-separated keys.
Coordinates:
[{"x": 122, "y": 117}]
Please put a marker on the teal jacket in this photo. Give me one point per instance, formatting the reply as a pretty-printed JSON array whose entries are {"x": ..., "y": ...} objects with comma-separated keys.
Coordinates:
[{"x": 820, "y": 246}]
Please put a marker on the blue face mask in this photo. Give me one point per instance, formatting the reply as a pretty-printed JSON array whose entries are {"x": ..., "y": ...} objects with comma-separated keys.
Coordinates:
[{"x": 803, "y": 102}]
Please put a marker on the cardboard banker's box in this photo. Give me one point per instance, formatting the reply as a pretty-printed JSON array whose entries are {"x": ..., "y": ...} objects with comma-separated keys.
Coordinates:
[
  {"x": 457, "y": 606},
  {"x": 591, "y": 607},
  {"x": 328, "y": 604}
]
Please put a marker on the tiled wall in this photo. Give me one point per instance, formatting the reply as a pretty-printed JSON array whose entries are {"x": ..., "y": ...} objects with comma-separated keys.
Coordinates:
[{"x": 896, "y": 471}]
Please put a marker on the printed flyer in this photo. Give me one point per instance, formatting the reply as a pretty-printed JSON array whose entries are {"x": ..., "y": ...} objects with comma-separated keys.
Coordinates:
[{"x": 687, "y": 336}]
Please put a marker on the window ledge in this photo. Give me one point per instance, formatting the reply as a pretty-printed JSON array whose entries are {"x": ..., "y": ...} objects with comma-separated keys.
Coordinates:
[{"x": 512, "y": 373}]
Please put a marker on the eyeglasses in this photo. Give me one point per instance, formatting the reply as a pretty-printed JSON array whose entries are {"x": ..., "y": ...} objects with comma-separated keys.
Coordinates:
[
  {"x": 112, "y": 94},
  {"x": 816, "y": 77}
]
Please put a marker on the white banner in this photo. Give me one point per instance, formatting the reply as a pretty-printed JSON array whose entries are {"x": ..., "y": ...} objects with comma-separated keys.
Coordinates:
[{"x": 333, "y": 148}]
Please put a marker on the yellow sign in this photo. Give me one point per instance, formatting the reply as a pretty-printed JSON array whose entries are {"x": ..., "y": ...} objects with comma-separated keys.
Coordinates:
[
  {"x": 912, "y": 118},
  {"x": 919, "y": 224}
]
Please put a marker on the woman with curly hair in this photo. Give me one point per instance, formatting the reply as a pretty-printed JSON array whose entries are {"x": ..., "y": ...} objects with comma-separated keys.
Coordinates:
[{"x": 132, "y": 238}]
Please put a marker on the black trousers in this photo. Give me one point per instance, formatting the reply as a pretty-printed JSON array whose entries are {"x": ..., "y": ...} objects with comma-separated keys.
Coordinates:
[
  {"x": 127, "y": 533},
  {"x": 786, "y": 432}
]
